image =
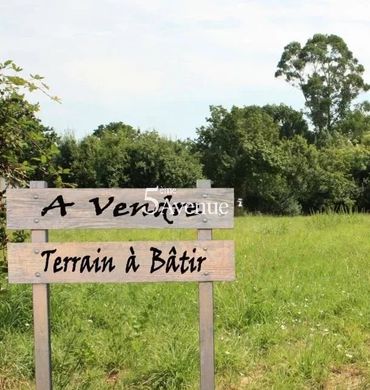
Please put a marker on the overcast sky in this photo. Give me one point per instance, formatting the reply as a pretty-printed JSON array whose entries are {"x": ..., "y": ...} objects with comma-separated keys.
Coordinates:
[{"x": 161, "y": 63}]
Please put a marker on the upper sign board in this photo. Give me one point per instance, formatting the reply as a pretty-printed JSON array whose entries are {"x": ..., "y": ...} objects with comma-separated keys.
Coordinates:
[{"x": 54, "y": 208}]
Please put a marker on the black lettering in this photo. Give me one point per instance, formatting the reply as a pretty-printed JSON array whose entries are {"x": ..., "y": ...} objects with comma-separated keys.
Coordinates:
[
  {"x": 191, "y": 262},
  {"x": 108, "y": 263},
  {"x": 200, "y": 261},
  {"x": 47, "y": 253},
  {"x": 75, "y": 260},
  {"x": 85, "y": 263},
  {"x": 117, "y": 210},
  {"x": 131, "y": 261},
  {"x": 98, "y": 209},
  {"x": 177, "y": 208},
  {"x": 171, "y": 262},
  {"x": 96, "y": 264},
  {"x": 191, "y": 209},
  {"x": 136, "y": 208},
  {"x": 156, "y": 258},
  {"x": 59, "y": 199},
  {"x": 70, "y": 259},
  {"x": 57, "y": 262},
  {"x": 165, "y": 209},
  {"x": 182, "y": 259}
]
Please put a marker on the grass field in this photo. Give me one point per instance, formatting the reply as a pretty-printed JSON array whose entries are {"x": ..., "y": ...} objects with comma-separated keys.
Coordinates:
[{"x": 298, "y": 316}]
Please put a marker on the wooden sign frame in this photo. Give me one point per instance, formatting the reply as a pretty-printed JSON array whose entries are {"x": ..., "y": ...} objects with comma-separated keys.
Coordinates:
[{"x": 207, "y": 261}]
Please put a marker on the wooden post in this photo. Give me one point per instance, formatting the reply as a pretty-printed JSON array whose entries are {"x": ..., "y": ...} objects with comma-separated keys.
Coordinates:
[
  {"x": 206, "y": 343},
  {"x": 41, "y": 323}
]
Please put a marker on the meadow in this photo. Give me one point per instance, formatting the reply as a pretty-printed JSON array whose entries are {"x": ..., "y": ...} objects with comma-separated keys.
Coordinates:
[{"x": 297, "y": 317}]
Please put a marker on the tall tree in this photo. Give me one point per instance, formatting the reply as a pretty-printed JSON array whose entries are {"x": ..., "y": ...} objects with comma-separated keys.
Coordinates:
[{"x": 327, "y": 73}]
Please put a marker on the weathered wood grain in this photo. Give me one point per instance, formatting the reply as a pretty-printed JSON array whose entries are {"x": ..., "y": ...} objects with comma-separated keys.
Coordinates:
[
  {"x": 27, "y": 263},
  {"x": 206, "y": 323},
  {"x": 41, "y": 317},
  {"x": 24, "y": 207}
]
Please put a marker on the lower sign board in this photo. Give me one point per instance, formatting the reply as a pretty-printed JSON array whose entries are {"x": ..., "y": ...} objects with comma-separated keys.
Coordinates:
[{"x": 121, "y": 262}]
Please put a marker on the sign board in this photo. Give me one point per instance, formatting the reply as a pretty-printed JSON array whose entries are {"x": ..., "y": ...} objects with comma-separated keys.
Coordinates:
[
  {"x": 56, "y": 208},
  {"x": 41, "y": 263},
  {"x": 121, "y": 262}
]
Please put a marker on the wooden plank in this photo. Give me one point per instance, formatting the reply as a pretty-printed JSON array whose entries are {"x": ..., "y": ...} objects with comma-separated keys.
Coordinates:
[
  {"x": 40, "y": 295},
  {"x": 206, "y": 327},
  {"x": 109, "y": 262},
  {"x": 120, "y": 208}
]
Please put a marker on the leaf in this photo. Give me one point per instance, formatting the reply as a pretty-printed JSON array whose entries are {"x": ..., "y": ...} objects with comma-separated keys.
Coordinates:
[
  {"x": 16, "y": 80},
  {"x": 16, "y": 68},
  {"x": 36, "y": 77}
]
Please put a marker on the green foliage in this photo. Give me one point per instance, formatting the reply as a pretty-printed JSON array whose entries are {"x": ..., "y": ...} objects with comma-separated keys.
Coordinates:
[
  {"x": 282, "y": 173},
  {"x": 155, "y": 160},
  {"x": 12, "y": 80},
  {"x": 328, "y": 76},
  {"x": 359, "y": 165},
  {"x": 290, "y": 121},
  {"x": 27, "y": 148},
  {"x": 242, "y": 149},
  {"x": 118, "y": 155},
  {"x": 355, "y": 126},
  {"x": 237, "y": 145}
]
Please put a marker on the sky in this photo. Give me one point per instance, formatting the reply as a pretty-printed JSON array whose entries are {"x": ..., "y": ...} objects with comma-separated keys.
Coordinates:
[{"x": 160, "y": 64}]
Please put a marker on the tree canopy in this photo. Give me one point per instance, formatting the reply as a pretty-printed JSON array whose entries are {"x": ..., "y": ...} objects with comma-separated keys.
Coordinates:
[
  {"x": 269, "y": 154},
  {"x": 328, "y": 75},
  {"x": 117, "y": 155}
]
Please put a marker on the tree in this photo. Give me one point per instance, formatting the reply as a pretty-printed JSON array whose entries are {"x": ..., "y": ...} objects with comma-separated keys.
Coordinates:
[
  {"x": 117, "y": 155},
  {"x": 116, "y": 128},
  {"x": 244, "y": 148},
  {"x": 356, "y": 125},
  {"x": 157, "y": 161},
  {"x": 27, "y": 148},
  {"x": 291, "y": 122},
  {"x": 328, "y": 75},
  {"x": 241, "y": 148}
]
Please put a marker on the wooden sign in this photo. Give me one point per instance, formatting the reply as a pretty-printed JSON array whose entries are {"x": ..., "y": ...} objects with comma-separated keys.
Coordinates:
[
  {"x": 56, "y": 208},
  {"x": 41, "y": 263},
  {"x": 121, "y": 262}
]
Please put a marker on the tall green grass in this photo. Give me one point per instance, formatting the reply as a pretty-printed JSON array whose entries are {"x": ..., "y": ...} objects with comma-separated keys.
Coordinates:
[{"x": 297, "y": 317}]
